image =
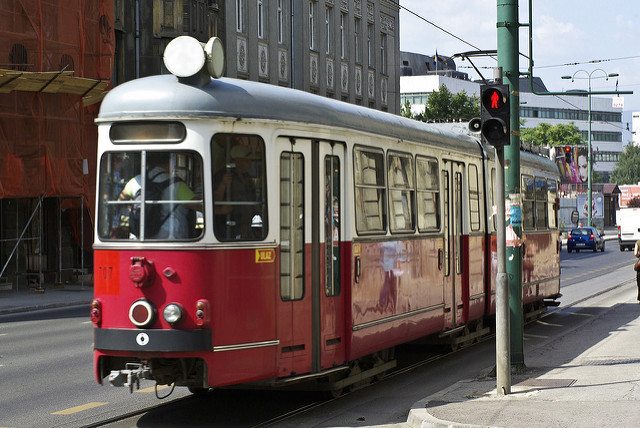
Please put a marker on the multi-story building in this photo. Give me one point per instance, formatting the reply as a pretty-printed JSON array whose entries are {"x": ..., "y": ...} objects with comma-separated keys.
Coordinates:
[
  {"x": 606, "y": 120},
  {"x": 342, "y": 49}
]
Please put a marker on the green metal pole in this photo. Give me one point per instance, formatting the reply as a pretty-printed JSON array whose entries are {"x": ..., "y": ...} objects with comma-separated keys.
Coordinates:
[{"x": 508, "y": 44}]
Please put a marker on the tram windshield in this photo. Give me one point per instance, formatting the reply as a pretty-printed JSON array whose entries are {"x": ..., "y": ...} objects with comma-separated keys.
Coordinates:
[{"x": 151, "y": 195}]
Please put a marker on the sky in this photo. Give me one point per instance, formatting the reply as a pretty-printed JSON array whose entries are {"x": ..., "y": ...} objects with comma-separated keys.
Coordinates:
[{"x": 595, "y": 34}]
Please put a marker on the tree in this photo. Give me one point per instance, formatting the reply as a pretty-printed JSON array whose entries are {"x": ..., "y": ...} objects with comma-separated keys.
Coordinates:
[
  {"x": 556, "y": 135},
  {"x": 627, "y": 171},
  {"x": 443, "y": 105},
  {"x": 405, "y": 110}
]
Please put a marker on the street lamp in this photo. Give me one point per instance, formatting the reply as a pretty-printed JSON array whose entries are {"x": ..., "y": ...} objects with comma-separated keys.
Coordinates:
[{"x": 589, "y": 161}]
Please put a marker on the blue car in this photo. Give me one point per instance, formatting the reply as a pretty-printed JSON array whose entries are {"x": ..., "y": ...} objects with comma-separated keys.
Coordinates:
[{"x": 585, "y": 238}]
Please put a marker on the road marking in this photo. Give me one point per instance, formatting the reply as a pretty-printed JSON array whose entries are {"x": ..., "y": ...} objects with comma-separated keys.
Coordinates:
[
  {"x": 153, "y": 388},
  {"x": 77, "y": 409}
]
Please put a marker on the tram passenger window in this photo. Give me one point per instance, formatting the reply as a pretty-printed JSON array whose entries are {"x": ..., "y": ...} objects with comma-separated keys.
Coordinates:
[
  {"x": 401, "y": 193},
  {"x": 528, "y": 202},
  {"x": 370, "y": 190},
  {"x": 239, "y": 187},
  {"x": 474, "y": 198},
  {"x": 541, "y": 203},
  {"x": 428, "y": 194},
  {"x": 552, "y": 191},
  {"x": 292, "y": 251},
  {"x": 332, "y": 224},
  {"x": 162, "y": 201}
]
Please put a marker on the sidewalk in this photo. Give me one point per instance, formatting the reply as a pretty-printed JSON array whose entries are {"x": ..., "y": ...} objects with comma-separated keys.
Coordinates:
[
  {"x": 588, "y": 377},
  {"x": 25, "y": 300}
]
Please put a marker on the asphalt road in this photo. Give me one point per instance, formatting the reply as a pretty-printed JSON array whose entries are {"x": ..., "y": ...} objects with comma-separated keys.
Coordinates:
[{"x": 46, "y": 371}]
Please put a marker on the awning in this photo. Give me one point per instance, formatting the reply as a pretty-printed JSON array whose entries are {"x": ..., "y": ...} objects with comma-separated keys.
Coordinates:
[{"x": 53, "y": 82}]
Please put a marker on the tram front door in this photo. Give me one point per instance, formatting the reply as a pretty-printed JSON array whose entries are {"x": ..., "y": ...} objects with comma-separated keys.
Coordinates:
[{"x": 310, "y": 305}]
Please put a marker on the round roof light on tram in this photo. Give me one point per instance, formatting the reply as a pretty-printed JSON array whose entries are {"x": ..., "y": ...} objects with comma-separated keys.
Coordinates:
[{"x": 184, "y": 56}]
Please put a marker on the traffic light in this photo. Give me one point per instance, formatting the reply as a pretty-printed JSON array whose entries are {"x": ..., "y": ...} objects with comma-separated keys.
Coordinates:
[
  {"x": 567, "y": 154},
  {"x": 495, "y": 114}
]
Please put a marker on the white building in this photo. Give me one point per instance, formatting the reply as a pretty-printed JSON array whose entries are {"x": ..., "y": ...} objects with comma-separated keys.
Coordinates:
[{"x": 635, "y": 126}]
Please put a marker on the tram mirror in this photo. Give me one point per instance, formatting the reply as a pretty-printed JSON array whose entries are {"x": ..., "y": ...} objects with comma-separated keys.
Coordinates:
[{"x": 575, "y": 216}]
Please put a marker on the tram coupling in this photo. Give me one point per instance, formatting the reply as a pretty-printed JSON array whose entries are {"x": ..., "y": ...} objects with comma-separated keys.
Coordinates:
[{"x": 130, "y": 376}]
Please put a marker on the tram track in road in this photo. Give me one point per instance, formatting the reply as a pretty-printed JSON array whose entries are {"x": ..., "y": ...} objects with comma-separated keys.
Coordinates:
[
  {"x": 571, "y": 280},
  {"x": 134, "y": 413}
]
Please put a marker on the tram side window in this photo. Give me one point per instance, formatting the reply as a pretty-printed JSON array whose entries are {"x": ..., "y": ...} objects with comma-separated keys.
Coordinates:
[
  {"x": 239, "y": 187},
  {"x": 541, "y": 203},
  {"x": 428, "y": 194},
  {"x": 552, "y": 191},
  {"x": 528, "y": 202},
  {"x": 401, "y": 193},
  {"x": 474, "y": 198},
  {"x": 162, "y": 201},
  {"x": 370, "y": 190}
]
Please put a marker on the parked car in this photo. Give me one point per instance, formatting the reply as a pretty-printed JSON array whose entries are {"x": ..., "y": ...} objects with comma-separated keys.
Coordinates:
[{"x": 583, "y": 238}]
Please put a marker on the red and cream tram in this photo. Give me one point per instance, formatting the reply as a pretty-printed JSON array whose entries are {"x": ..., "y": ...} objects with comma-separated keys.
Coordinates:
[{"x": 252, "y": 233}]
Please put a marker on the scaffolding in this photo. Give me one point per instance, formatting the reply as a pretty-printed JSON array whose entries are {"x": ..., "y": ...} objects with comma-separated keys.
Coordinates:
[{"x": 29, "y": 258}]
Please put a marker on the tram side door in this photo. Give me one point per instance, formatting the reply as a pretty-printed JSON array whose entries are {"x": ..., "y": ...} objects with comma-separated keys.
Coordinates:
[
  {"x": 310, "y": 314},
  {"x": 453, "y": 220}
]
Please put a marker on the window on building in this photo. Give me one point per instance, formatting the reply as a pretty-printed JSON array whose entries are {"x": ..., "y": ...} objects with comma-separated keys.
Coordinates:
[
  {"x": 383, "y": 53},
  {"x": 240, "y": 9},
  {"x": 356, "y": 38},
  {"x": 313, "y": 14},
  {"x": 260, "y": 13},
  {"x": 343, "y": 30},
  {"x": 328, "y": 32},
  {"x": 280, "y": 22},
  {"x": 370, "y": 42}
]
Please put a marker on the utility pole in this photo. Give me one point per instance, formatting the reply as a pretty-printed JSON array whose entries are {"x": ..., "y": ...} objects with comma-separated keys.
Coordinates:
[
  {"x": 508, "y": 50},
  {"x": 503, "y": 351}
]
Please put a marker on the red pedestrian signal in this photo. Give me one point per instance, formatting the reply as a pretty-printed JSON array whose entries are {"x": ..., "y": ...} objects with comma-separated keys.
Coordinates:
[{"x": 495, "y": 114}]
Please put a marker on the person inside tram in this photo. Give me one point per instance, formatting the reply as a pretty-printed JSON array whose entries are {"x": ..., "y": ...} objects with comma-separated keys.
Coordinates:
[
  {"x": 234, "y": 184},
  {"x": 162, "y": 221}
]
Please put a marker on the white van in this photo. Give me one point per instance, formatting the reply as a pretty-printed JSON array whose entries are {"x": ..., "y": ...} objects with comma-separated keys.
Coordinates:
[{"x": 628, "y": 221}]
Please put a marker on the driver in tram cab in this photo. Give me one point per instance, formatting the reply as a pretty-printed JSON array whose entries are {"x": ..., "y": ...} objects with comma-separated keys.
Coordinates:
[
  {"x": 234, "y": 184},
  {"x": 164, "y": 221}
]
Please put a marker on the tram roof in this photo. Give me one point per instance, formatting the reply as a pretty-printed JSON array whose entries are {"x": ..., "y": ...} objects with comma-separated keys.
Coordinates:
[{"x": 165, "y": 96}]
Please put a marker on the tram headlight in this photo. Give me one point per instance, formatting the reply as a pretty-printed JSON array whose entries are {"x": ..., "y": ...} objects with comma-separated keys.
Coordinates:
[{"x": 172, "y": 313}]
